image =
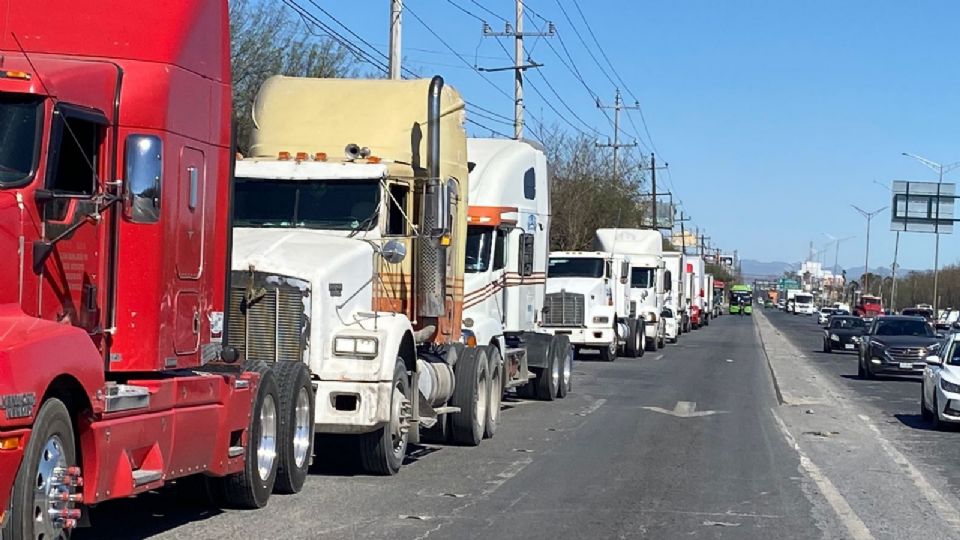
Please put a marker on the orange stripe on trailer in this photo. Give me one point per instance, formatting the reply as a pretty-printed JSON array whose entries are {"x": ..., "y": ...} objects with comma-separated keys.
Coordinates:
[{"x": 490, "y": 215}]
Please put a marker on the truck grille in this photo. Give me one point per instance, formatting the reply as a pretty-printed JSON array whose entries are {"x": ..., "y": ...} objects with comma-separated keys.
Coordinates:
[
  {"x": 271, "y": 328},
  {"x": 563, "y": 309}
]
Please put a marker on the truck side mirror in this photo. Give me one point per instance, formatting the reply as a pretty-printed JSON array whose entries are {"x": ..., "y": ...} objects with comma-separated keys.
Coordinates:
[
  {"x": 394, "y": 252},
  {"x": 934, "y": 360},
  {"x": 667, "y": 281},
  {"x": 142, "y": 181}
]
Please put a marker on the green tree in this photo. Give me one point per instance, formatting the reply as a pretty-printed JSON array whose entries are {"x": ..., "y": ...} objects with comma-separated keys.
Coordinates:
[{"x": 267, "y": 40}]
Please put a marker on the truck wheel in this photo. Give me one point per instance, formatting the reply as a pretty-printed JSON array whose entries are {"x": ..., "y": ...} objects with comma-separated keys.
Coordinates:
[
  {"x": 471, "y": 392},
  {"x": 548, "y": 383},
  {"x": 51, "y": 447},
  {"x": 296, "y": 425},
  {"x": 609, "y": 353},
  {"x": 564, "y": 356},
  {"x": 495, "y": 370},
  {"x": 382, "y": 451},
  {"x": 925, "y": 413},
  {"x": 634, "y": 339},
  {"x": 251, "y": 487},
  {"x": 648, "y": 345}
]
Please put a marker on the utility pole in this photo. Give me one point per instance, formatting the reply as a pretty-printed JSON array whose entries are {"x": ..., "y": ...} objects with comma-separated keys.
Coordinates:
[
  {"x": 866, "y": 262},
  {"x": 893, "y": 274},
  {"x": 518, "y": 62},
  {"x": 683, "y": 234},
  {"x": 396, "y": 10},
  {"x": 617, "y": 107},
  {"x": 653, "y": 183}
]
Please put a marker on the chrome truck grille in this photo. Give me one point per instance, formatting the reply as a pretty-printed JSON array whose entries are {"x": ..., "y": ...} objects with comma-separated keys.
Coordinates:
[
  {"x": 268, "y": 323},
  {"x": 563, "y": 309}
]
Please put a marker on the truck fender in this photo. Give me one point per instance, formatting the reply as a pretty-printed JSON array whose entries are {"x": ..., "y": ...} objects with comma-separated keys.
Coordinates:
[
  {"x": 486, "y": 329},
  {"x": 396, "y": 342},
  {"x": 40, "y": 358}
]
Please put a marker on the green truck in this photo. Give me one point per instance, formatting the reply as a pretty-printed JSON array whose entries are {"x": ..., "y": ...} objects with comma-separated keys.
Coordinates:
[{"x": 741, "y": 294}]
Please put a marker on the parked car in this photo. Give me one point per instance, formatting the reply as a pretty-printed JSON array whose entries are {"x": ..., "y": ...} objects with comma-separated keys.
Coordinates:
[
  {"x": 781, "y": 304},
  {"x": 918, "y": 312},
  {"x": 842, "y": 333},
  {"x": 672, "y": 325},
  {"x": 897, "y": 344},
  {"x": 940, "y": 387},
  {"x": 824, "y": 315}
]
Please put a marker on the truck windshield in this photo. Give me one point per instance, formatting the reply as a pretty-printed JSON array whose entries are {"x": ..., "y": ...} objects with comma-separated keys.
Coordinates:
[
  {"x": 641, "y": 278},
  {"x": 586, "y": 268},
  {"x": 20, "y": 118},
  {"x": 310, "y": 204},
  {"x": 479, "y": 240},
  {"x": 803, "y": 299}
]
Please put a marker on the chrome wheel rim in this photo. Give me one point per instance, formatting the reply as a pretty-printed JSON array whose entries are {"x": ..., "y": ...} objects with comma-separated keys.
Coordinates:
[
  {"x": 567, "y": 368},
  {"x": 555, "y": 373},
  {"x": 48, "y": 483},
  {"x": 267, "y": 445},
  {"x": 303, "y": 432},
  {"x": 398, "y": 422},
  {"x": 482, "y": 395},
  {"x": 495, "y": 392}
]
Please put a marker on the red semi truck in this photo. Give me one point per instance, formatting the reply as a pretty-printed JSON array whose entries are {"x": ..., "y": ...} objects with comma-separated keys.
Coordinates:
[{"x": 115, "y": 167}]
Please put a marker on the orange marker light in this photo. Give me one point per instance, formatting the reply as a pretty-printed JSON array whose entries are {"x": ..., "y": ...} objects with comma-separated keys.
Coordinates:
[
  {"x": 22, "y": 75},
  {"x": 283, "y": 156},
  {"x": 471, "y": 341},
  {"x": 373, "y": 159},
  {"x": 10, "y": 443},
  {"x": 302, "y": 156},
  {"x": 320, "y": 156}
]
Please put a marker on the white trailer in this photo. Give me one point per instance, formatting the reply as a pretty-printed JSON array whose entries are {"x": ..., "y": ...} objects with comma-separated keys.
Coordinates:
[
  {"x": 644, "y": 247},
  {"x": 588, "y": 300},
  {"x": 696, "y": 299},
  {"x": 508, "y": 241}
]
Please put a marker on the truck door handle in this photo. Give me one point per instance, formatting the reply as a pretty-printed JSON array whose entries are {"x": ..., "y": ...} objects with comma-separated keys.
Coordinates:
[{"x": 196, "y": 322}]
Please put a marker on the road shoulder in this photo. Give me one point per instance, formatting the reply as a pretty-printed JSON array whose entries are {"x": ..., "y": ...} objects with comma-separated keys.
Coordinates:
[{"x": 874, "y": 489}]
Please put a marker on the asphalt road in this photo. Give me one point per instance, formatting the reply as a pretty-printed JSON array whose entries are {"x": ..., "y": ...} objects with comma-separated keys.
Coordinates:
[
  {"x": 680, "y": 443},
  {"x": 893, "y": 400}
]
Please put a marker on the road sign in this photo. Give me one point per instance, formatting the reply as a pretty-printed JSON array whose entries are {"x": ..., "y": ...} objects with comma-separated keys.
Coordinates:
[
  {"x": 665, "y": 212},
  {"x": 727, "y": 261},
  {"x": 922, "y": 207}
]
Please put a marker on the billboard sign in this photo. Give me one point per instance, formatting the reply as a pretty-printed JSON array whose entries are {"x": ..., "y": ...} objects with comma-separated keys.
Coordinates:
[
  {"x": 665, "y": 213},
  {"x": 726, "y": 261},
  {"x": 922, "y": 207}
]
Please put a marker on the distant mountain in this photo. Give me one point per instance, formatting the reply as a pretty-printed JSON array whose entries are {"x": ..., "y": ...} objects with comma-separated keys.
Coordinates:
[{"x": 760, "y": 269}]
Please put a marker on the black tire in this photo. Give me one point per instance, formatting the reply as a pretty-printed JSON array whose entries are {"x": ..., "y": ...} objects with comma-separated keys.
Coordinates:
[
  {"x": 632, "y": 348},
  {"x": 860, "y": 371},
  {"x": 935, "y": 421},
  {"x": 495, "y": 393},
  {"x": 380, "y": 452},
  {"x": 565, "y": 357},
  {"x": 826, "y": 346},
  {"x": 52, "y": 426},
  {"x": 548, "y": 382},
  {"x": 925, "y": 413},
  {"x": 609, "y": 353},
  {"x": 471, "y": 389},
  {"x": 867, "y": 370},
  {"x": 295, "y": 446},
  {"x": 250, "y": 488},
  {"x": 662, "y": 338}
]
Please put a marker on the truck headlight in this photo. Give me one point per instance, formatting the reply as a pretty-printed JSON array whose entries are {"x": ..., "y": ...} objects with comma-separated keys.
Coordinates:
[
  {"x": 601, "y": 320},
  {"x": 355, "y": 346}
]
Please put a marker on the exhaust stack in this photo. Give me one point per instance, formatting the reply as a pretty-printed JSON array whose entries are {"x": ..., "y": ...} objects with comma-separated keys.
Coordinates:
[{"x": 432, "y": 255}]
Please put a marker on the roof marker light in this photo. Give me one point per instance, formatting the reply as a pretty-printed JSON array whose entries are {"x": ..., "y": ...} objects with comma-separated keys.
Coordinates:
[
  {"x": 320, "y": 156},
  {"x": 283, "y": 156},
  {"x": 302, "y": 156}
]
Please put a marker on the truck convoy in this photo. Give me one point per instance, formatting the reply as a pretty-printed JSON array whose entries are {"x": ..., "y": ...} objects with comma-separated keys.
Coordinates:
[
  {"x": 644, "y": 247},
  {"x": 588, "y": 300},
  {"x": 346, "y": 178},
  {"x": 116, "y": 374},
  {"x": 506, "y": 261}
]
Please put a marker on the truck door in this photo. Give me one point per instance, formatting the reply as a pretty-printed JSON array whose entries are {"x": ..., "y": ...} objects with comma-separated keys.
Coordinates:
[
  {"x": 71, "y": 279},
  {"x": 190, "y": 243}
]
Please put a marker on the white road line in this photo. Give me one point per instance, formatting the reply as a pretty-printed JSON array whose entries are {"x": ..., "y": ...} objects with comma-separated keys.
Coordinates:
[
  {"x": 943, "y": 507},
  {"x": 592, "y": 408},
  {"x": 854, "y": 525},
  {"x": 512, "y": 470},
  {"x": 685, "y": 407},
  {"x": 658, "y": 357}
]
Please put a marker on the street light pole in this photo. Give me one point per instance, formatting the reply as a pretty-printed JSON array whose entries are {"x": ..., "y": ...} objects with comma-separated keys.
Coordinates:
[
  {"x": 893, "y": 268},
  {"x": 866, "y": 261},
  {"x": 941, "y": 170}
]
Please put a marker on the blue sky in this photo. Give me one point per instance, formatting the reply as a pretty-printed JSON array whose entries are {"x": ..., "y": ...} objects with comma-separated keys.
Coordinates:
[{"x": 774, "y": 116}]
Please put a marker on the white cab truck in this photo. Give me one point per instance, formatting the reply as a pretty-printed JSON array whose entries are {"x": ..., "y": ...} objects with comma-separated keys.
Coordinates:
[
  {"x": 588, "y": 300},
  {"x": 803, "y": 304},
  {"x": 644, "y": 247},
  {"x": 349, "y": 234},
  {"x": 791, "y": 304},
  {"x": 676, "y": 297},
  {"x": 508, "y": 241}
]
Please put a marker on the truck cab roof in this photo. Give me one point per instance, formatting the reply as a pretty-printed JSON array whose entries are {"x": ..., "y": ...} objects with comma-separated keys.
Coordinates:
[{"x": 309, "y": 170}]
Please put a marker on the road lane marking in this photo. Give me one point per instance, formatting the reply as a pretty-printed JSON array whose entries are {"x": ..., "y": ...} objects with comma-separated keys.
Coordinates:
[
  {"x": 511, "y": 471},
  {"x": 592, "y": 408},
  {"x": 658, "y": 357},
  {"x": 854, "y": 525},
  {"x": 685, "y": 409},
  {"x": 943, "y": 507}
]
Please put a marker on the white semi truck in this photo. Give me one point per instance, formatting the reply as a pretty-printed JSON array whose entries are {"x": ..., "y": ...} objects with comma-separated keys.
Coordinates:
[
  {"x": 676, "y": 297},
  {"x": 508, "y": 241},
  {"x": 644, "y": 247},
  {"x": 588, "y": 300},
  {"x": 696, "y": 295},
  {"x": 350, "y": 222}
]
